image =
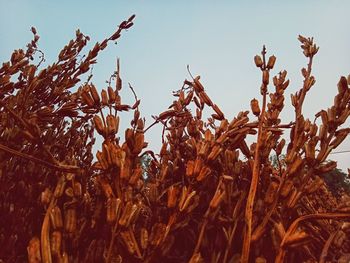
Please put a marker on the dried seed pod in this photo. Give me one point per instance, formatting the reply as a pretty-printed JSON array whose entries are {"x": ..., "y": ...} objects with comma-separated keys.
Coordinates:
[
  {"x": 260, "y": 259},
  {"x": 271, "y": 192},
  {"x": 280, "y": 147},
  {"x": 329, "y": 166},
  {"x": 190, "y": 168},
  {"x": 214, "y": 153},
  {"x": 87, "y": 99},
  {"x": 265, "y": 77},
  {"x": 205, "y": 98},
  {"x": 106, "y": 154},
  {"x": 70, "y": 220},
  {"x": 339, "y": 138},
  {"x": 33, "y": 250},
  {"x": 56, "y": 218},
  {"x": 286, "y": 188},
  {"x": 60, "y": 187},
  {"x": 296, "y": 165},
  {"x": 128, "y": 241},
  {"x": 94, "y": 94},
  {"x": 104, "y": 97},
  {"x": 46, "y": 196},
  {"x": 271, "y": 62},
  {"x": 102, "y": 161},
  {"x": 139, "y": 142},
  {"x": 205, "y": 171},
  {"x": 106, "y": 187},
  {"x": 111, "y": 95},
  {"x": 77, "y": 189},
  {"x": 218, "y": 112},
  {"x": 100, "y": 128},
  {"x": 56, "y": 240},
  {"x": 112, "y": 124},
  {"x": 342, "y": 85},
  {"x": 113, "y": 208},
  {"x": 258, "y": 61},
  {"x": 197, "y": 166},
  {"x": 254, "y": 105},
  {"x": 172, "y": 194},
  {"x": 144, "y": 238},
  {"x": 126, "y": 214}
]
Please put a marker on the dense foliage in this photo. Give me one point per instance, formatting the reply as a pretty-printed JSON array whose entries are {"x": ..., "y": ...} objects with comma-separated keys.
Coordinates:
[{"x": 207, "y": 196}]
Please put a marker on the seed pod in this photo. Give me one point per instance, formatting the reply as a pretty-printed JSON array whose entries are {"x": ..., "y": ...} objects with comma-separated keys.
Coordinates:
[
  {"x": 113, "y": 207},
  {"x": 102, "y": 161},
  {"x": 339, "y": 138},
  {"x": 271, "y": 192},
  {"x": 205, "y": 171},
  {"x": 265, "y": 77},
  {"x": 260, "y": 260},
  {"x": 87, "y": 99},
  {"x": 128, "y": 213},
  {"x": 280, "y": 147},
  {"x": 188, "y": 98},
  {"x": 128, "y": 241},
  {"x": 172, "y": 194},
  {"x": 190, "y": 168},
  {"x": 216, "y": 200},
  {"x": 197, "y": 166},
  {"x": 144, "y": 238},
  {"x": 46, "y": 196},
  {"x": 218, "y": 112},
  {"x": 254, "y": 105},
  {"x": 111, "y": 95},
  {"x": 56, "y": 240},
  {"x": 295, "y": 165},
  {"x": 104, "y": 97},
  {"x": 342, "y": 85},
  {"x": 271, "y": 62},
  {"x": 60, "y": 187},
  {"x": 286, "y": 188},
  {"x": 94, "y": 94},
  {"x": 135, "y": 176},
  {"x": 214, "y": 153},
  {"x": 258, "y": 61},
  {"x": 139, "y": 142},
  {"x": 106, "y": 187},
  {"x": 100, "y": 128},
  {"x": 198, "y": 87},
  {"x": 56, "y": 218},
  {"x": 70, "y": 220},
  {"x": 77, "y": 189},
  {"x": 112, "y": 124},
  {"x": 205, "y": 98},
  {"x": 329, "y": 166},
  {"x": 33, "y": 250}
]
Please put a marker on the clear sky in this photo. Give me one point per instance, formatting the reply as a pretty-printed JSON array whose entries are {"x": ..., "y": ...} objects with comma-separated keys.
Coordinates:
[{"x": 218, "y": 39}]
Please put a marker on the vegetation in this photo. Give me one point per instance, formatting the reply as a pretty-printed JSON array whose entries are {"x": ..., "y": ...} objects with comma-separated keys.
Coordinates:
[{"x": 207, "y": 196}]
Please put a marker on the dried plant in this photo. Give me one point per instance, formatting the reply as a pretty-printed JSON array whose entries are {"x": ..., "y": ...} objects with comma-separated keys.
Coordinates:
[{"x": 207, "y": 196}]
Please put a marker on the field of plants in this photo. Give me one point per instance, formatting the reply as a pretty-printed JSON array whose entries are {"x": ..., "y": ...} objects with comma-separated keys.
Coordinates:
[{"x": 207, "y": 196}]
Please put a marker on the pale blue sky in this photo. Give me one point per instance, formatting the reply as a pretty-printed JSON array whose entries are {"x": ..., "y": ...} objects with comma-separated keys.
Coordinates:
[{"x": 218, "y": 39}]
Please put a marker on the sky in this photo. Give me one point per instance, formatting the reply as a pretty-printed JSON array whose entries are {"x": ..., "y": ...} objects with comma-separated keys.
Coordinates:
[{"x": 218, "y": 39}]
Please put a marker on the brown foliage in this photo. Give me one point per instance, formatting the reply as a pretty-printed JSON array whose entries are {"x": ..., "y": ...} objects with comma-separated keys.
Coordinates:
[{"x": 208, "y": 195}]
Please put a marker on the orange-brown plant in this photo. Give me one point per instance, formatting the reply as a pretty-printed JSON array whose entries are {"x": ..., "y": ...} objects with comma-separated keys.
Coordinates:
[{"x": 208, "y": 196}]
